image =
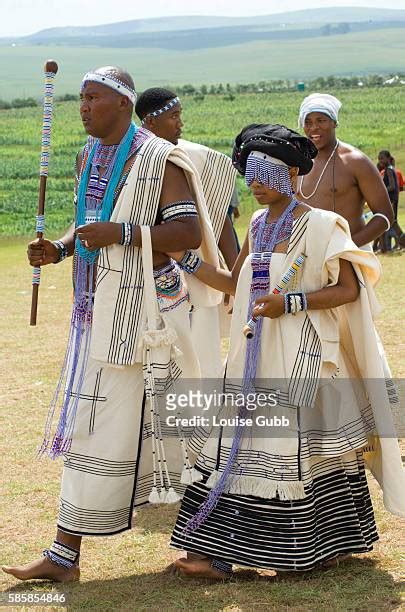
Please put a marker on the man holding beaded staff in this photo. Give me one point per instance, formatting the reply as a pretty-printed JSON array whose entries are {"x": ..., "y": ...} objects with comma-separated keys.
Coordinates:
[{"x": 126, "y": 178}]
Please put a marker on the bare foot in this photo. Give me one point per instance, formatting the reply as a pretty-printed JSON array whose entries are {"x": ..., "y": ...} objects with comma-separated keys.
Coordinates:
[
  {"x": 43, "y": 569},
  {"x": 199, "y": 568},
  {"x": 334, "y": 562}
]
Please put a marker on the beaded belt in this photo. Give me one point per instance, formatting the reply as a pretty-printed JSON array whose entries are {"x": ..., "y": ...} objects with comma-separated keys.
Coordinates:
[{"x": 171, "y": 289}]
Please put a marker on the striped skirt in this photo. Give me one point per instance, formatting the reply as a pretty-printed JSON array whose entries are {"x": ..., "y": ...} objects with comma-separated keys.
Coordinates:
[{"x": 336, "y": 517}]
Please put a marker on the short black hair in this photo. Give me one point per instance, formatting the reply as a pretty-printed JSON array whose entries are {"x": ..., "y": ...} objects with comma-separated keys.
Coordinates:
[{"x": 152, "y": 99}]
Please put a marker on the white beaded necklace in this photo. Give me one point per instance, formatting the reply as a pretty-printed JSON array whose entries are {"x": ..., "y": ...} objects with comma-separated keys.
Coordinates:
[{"x": 308, "y": 197}]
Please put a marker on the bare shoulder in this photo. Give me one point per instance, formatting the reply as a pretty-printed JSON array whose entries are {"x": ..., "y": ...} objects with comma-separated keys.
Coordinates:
[
  {"x": 175, "y": 185},
  {"x": 173, "y": 172},
  {"x": 351, "y": 154},
  {"x": 301, "y": 209},
  {"x": 356, "y": 160}
]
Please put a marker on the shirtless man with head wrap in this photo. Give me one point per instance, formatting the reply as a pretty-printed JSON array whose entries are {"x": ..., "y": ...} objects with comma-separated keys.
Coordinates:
[{"x": 342, "y": 178}]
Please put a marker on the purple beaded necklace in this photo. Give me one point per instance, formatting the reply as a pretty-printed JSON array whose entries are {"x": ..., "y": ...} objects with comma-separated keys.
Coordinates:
[{"x": 267, "y": 237}]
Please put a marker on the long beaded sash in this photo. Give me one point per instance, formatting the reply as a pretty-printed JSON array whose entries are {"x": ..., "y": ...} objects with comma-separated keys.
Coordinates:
[{"x": 90, "y": 207}]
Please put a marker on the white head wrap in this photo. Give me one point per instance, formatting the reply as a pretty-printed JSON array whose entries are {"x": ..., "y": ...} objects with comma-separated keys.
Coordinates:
[
  {"x": 112, "y": 82},
  {"x": 319, "y": 103}
]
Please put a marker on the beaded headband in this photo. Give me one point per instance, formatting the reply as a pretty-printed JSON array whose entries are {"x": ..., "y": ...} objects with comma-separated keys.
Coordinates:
[
  {"x": 164, "y": 108},
  {"x": 112, "y": 82}
]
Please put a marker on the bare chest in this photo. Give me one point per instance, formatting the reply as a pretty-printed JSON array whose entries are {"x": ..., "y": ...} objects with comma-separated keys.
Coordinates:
[{"x": 331, "y": 188}]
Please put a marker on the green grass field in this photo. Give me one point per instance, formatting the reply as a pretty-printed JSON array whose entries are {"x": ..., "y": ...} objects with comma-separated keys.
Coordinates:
[
  {"x": 371, "y": 119},
  {"x": 127, "y": 572},
  {"x": 354, "y": 53}
]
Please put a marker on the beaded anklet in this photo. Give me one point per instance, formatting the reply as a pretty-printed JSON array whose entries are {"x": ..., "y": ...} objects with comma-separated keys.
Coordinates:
[
  {"x": 222, "y": 566},
  {"x": 62, "y": 555}
]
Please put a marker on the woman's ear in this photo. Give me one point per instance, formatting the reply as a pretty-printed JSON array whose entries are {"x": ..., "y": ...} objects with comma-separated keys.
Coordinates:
[{"x": 293, "y": 172}]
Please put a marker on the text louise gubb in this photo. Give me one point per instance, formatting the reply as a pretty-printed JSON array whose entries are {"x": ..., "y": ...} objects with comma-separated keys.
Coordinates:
[{"x": 235, "y": 421}]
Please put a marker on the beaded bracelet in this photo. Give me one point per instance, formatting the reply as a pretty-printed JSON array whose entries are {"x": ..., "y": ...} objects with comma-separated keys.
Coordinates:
[
  {"x": 190, "y": 262},
  {"x": 62, "y": 250},
  {"x": 295, "y": 302},
  {"x": 126, "y": 234}
]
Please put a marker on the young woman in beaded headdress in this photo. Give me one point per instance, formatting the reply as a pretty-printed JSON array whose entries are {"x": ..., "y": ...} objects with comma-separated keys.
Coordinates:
[{"x": 281, "y": 480}]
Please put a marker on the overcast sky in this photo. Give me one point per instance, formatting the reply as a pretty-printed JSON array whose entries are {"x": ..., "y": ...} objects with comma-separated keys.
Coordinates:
[{"x": 19, "y": 17}]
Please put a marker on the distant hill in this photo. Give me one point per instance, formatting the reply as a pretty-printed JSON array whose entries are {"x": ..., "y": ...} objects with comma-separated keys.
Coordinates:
[
  {"x": 205, "y": 50},
  {"x": 218, "y": 37},
  {"x": 290, "y": 20}
]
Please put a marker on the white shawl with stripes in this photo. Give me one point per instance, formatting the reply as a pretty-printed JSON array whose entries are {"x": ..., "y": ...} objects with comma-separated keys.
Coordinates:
[
  {"x": 118, "y": 316},
  {"x": 327, "y": 370},
  {"x": 217, "y": 176}
]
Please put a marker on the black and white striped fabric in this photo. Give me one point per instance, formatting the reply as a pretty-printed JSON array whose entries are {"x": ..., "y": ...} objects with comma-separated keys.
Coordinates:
[
  {"x": 260, "y": 520},
  {"x": 109, "y": 469},
  {"x": 335, "y": 518}
]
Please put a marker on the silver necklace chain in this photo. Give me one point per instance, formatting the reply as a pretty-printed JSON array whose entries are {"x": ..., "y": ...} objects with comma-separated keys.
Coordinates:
[{"x": 308, "y": 197}]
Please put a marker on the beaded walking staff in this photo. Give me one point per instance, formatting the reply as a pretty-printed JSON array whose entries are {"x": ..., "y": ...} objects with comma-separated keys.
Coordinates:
[{"x": 50, "y": 69}]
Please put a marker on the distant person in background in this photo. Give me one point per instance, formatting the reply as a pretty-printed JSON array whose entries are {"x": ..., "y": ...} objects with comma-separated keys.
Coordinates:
[
  {"x": 160, "y": 111},
  {"x": 391, "y": 182},
  {"x": 342, "y": 178},
  {"x": 400, "y": 177},
  {"x": 390, "y": 178}
]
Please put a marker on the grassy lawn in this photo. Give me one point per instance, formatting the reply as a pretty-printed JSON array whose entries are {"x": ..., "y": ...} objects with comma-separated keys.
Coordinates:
[{"x": 127, "y": 572}]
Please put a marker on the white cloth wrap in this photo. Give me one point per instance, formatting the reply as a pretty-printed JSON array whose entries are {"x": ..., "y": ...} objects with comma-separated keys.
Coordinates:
[{"x": 319, "y": 103}]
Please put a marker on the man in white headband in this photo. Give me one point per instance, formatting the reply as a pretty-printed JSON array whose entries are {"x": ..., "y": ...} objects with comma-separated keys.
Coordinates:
[
  {"x": 160, "y": 111},
  {"x": 128, "y": 180},
  {"x": 342, "y": 178}
]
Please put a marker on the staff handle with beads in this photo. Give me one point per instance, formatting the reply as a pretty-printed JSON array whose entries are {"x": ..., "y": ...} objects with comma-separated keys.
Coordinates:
[{"x": 50, "y": 70}]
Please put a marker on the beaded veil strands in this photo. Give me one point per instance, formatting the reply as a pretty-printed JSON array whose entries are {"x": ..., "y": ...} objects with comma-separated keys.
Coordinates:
[
  {"x": 51, "y": 68},
  {"x": 268, "y": 171}
]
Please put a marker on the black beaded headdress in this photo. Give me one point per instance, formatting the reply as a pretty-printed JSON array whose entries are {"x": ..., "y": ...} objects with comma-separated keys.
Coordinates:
[{"x": 275, "y": 140}]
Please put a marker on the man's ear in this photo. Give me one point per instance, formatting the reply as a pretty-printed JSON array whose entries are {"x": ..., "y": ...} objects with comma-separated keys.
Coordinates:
[
  {"x": 125, "y": 104},
  {"x": 149, "y": 123}
]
